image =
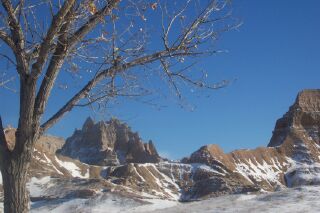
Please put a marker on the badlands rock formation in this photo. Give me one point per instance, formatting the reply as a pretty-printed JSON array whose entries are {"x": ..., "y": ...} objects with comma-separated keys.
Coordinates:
[
  {"x": 108, "y": 143},
  {"x": 291, "y": 159},
  {"x": 297, "y": 135},
  {"x": 107, "y": 157}
]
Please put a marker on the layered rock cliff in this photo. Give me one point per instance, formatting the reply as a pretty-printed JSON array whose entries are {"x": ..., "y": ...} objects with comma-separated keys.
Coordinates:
[{"x": 297, "y": 135}]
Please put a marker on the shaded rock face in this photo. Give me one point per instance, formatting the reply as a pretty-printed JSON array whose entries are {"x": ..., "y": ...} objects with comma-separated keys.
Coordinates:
[{"x": 108, "y": 143}]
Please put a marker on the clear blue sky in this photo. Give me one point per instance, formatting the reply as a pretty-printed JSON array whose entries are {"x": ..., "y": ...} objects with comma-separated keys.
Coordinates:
[{"x": 273, "y": 55}]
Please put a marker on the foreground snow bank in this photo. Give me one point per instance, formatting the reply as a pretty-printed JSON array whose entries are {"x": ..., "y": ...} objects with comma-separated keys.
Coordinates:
[
  {"x": 102, "y": 204},
  {"x": 301, "y": 199}
]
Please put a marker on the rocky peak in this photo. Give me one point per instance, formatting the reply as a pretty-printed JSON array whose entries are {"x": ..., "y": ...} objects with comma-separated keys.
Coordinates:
[
  {"x": 302, "y": 119},
  {"x": 206, "y": 154},
  {"x": 116, "y": 122},
  {"x": 108, "y": 143},
  {"x": 150, "y": 148},
  {"x": 309, "y": 100},
  {"x": 88, "y": 124}
]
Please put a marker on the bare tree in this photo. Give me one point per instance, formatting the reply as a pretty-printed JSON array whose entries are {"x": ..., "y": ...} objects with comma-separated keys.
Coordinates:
[{"x": 121, "y": 47}]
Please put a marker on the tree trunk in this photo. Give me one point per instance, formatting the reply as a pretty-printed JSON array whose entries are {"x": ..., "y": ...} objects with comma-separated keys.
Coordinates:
[
  {"x": 14, "y": 175},
  {"x": 14, "y": 166},
  {"x": 15, "y": 163}
]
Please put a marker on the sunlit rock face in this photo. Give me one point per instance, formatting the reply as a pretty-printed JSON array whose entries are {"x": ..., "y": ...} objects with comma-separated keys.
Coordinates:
[
  {"x": 108, "y": 143},
  {"x": 301, "y": 121},
  {"x": 297, "y": 134},
  {"x": 291, "y": 158}
]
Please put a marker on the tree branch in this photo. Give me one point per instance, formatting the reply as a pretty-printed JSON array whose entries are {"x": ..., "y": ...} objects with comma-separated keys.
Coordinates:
[
  {"x": 195, "y": 24},
  {"x": 64, "y": 45},
  {"x": 52, "y": 72},
  {"x": 101, "y": 76},
  {"x": 14, "y": 23},
  {"x": 169, "y": 74},
  {"x": 7, "y": 39},
  {"x": 185, "y": 45},
  {"x": 3, "y": 83},
  {"x": 92, "y": 22},
  {"x": 45, "y": 47},
  {"x": 200, "y": 83},
  {"x": 17, "y": 37}
]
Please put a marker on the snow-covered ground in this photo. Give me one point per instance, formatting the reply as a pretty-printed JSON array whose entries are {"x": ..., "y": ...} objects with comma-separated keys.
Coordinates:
[
  {"x": 101, "y": 204},
  {"x": 301, "y": 199}
]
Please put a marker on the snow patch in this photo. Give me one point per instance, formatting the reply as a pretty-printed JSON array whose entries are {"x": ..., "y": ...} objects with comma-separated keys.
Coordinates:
[
  {"x": 37, "y": 186},
  {"x": 259, "y": 172},
  {"x": 196, "y": 166},
  {"x": 165, "y": 182},
  {"x": 51, "y": 164},
  {"x": 72, "y": 168},
  {"x": 301, "y": 173}
]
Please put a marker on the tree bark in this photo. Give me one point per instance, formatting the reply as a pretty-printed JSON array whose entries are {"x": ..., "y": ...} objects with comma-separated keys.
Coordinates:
[
  {"x": 14, "y": 167},
  {"x": 14, "y": 175}
]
